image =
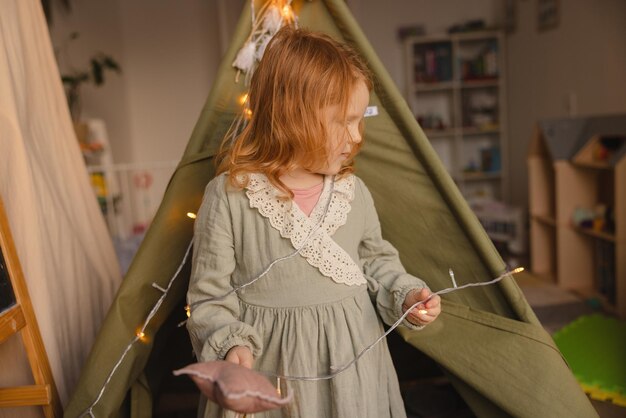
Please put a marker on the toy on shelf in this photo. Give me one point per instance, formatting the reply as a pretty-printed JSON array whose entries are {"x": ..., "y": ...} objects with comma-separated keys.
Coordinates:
[{"x": 598, "y": 219}]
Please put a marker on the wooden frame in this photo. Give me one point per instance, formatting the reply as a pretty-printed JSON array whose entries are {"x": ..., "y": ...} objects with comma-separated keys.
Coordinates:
[
  {"x": 20, "y": 317},
  {"x": 548, "y": 14}
]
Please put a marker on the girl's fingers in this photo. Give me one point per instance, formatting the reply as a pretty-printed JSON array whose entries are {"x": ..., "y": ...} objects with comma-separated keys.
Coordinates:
[
  {"x": 247, "y": 363},
  {"x": 426, "y": 312},
  {"x": 419, "y": 318},
  {"x": 434, "y": 302}
]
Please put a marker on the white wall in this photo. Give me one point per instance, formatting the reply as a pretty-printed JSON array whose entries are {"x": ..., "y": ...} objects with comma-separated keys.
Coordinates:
[
  {"x": 169, "y": 53},
  {"x": 100, "y": 29},
  {"x": 171, "y": 56},
  {"x": 583, "y": 58}
]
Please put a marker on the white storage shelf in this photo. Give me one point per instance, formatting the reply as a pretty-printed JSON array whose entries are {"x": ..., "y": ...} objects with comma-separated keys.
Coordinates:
[{"x": 456, "y": 90}]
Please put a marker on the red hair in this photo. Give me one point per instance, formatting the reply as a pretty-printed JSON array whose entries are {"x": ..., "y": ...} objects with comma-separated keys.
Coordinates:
[{"x": 300, "y": 74}]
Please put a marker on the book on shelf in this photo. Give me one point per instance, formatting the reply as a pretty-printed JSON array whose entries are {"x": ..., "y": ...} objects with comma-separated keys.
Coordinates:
[
  {"x": 490, "y": 161},
  {"x": 433, "y": 63},
  {"x": 484, "y": 66}
]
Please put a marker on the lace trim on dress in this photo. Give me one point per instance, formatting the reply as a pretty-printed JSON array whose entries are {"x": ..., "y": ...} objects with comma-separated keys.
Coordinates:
[{"x": 320, "y": 251}]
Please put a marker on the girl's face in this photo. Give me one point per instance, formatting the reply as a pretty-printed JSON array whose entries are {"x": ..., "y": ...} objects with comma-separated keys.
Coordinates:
[{"x": 343, "y": 134}]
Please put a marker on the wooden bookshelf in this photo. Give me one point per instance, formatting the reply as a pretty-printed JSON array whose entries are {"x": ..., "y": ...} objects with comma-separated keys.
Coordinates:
[{"x": 569, "y": 169}]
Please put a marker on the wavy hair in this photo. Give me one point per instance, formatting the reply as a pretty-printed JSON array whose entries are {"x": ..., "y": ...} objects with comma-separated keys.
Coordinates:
[{"x": 300, "y": 74}]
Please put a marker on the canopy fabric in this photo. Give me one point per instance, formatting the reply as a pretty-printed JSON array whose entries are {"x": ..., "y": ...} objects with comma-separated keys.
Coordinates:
[
  {"x": 65, "y": 251},
  {"x": 487, "y": 339}
]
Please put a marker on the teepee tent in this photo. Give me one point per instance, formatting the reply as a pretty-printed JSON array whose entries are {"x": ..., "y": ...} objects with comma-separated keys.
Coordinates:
[{"x": 487, "y": 339}]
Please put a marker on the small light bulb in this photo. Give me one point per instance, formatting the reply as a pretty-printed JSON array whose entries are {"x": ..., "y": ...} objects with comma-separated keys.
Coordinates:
[
  {"x": 518, "y": 270},
  {"x": 243, "y": 99},
  {"x": 141, "y": 335},
  {"x": 248, "y": 113},
  {"x": 188, "y": 311},
  {"x": 287, "y": 12},
  {"x": 191, "y": 215}
]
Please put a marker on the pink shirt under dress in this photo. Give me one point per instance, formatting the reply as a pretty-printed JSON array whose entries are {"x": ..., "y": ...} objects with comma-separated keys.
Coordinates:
[{"x": 306, "y": 199}]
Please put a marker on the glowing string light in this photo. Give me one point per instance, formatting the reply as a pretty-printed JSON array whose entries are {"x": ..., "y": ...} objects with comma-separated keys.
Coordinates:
[
  {"x": 191, "y": 215},
  {"x": 287, "y": 12}
]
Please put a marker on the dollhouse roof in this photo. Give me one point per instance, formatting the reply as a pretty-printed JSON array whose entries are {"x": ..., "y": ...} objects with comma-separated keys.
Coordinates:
[{"x": 563, "y": 138}]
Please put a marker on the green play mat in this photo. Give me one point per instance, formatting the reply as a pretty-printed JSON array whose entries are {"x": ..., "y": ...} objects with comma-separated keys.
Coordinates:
[{"x": 595, "y": 348}]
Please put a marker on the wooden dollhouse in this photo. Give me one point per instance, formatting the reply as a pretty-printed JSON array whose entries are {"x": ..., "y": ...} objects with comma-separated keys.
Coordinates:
[{"x": 577, "y": 202}]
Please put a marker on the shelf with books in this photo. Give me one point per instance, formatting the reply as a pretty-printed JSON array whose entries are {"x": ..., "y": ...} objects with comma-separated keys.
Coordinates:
[
  {"x": 432, "y": 62},
  {"x": 478, "y": 60},
  {"x": 456, "y": 90},
  {"x": 482, "y": 155}
]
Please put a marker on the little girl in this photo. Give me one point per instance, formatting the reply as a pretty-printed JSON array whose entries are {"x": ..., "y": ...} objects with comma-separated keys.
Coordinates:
[{"x": 286, "y": 184}]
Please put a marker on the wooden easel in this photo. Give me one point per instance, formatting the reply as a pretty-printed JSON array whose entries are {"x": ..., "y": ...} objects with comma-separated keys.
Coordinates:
[{"x": 20, "y": 317}]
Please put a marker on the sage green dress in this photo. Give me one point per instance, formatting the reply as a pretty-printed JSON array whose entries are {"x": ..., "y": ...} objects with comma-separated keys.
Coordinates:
[{"x": 317, "y": 309}]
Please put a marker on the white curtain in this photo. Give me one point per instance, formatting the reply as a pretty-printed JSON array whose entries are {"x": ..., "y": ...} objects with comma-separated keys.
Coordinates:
[{"x": 66, "y": 253}]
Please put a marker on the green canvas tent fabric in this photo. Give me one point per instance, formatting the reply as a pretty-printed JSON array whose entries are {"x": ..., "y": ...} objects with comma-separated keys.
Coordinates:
[{"x": 487, "y": 339}]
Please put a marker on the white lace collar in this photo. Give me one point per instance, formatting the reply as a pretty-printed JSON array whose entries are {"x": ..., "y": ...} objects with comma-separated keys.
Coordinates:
[{"x": 320, "y": 250}]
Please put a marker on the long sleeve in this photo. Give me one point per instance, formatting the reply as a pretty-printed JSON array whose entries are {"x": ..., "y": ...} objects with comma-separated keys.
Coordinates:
[
  {"x": 214, "y": 326},
  {"x": 387, "y": 280}
]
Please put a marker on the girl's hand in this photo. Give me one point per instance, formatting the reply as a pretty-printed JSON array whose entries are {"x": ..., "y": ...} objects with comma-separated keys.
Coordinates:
[
  {"x": 422, "y": 314},
  {"x": 241, "y": 355}
]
